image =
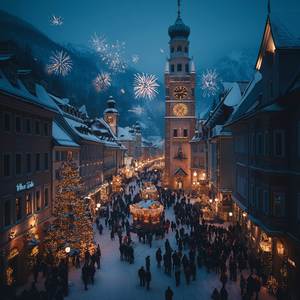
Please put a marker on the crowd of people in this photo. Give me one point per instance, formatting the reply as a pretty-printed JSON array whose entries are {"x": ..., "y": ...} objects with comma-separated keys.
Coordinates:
[{"x": 196, "y": 245}]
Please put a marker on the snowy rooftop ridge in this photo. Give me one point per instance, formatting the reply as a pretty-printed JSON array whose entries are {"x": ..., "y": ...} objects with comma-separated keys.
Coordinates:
[{"x": 61, "y": 137}]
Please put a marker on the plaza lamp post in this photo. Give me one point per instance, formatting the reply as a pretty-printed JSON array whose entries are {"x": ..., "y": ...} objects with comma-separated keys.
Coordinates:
[{"x": 66, "y": 277}]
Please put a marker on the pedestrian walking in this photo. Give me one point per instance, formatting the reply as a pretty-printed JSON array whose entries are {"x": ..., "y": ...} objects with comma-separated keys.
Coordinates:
[{"x": 169, "y": 294}]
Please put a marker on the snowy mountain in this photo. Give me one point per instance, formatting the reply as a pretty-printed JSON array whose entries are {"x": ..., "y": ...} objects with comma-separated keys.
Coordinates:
[{"x": 33, "y": 49}]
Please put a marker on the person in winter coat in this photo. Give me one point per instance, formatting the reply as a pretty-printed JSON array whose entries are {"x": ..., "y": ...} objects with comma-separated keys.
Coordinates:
[
  {"x": 215, "y": 295},
  {"x": 147, "y": 259},
  {"x": 148, "y": 279},
  {"x": 223, "y": 293},
  {"x": 158, "y": 257},
  {"x": 85, "y": 275},
  {"x": 169, "y": 294},
  {"x": 142, "y": 275}
]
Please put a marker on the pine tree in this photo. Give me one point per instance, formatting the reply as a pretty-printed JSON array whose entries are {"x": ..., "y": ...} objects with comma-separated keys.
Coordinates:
[{"x": 73, "y": 222}]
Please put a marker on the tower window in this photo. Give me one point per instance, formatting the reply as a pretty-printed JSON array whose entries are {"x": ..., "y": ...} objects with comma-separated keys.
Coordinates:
[
  {"x": 179, "y": 67},
  {"x": 186, "y": 49},
  {"x": 172, "y": 49},
  {"x": 167, "y": 92},
  {"x": 179, "y": 49},
  {"x": 187, "y": 69},
  {"x": 172, "y": 68},
  {"x": 175, "y": 133},
  {"x": 193, "y": 92},
  {"x": 185, "y": 132}
]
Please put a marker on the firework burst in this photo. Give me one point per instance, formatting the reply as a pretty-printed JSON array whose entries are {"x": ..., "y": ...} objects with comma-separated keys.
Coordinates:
[
  {"x": 60, "y": 63},
  {"x": 145, "y": 86},
  {"x": 122, "y": 91},
  {"x": 137, "y": 110},
  {"x": 135, "y": 58},
  {"x": 102, "y": 81},
  {"x": 56, "y": 20},
  {"x": 111, "y": 54},
  {"x": 210, "y": 83},
  {"x": 99, "y": 44}
]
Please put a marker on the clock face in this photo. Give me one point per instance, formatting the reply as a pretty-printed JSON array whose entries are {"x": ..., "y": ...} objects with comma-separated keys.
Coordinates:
[
  {"x": 180, "y": 92},
  {"x": 180, "y": 110}
]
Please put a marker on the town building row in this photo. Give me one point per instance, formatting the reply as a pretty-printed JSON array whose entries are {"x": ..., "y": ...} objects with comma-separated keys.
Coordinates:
[
  {"x": 38, "y": 132},
  {"x": 251, "y": 144}
]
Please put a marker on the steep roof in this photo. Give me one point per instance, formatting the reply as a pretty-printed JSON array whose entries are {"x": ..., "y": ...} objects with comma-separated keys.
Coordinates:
[{"x": 61, "y": 137}]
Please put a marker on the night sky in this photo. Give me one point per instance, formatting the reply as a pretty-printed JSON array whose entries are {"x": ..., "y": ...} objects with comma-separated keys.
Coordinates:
[{"x": 218, "y": 26}]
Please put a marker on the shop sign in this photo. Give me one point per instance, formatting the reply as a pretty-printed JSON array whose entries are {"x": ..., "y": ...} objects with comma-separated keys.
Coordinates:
[
  {"x": 291, "y": 262},
  {"x": 13, "y": 253},
  {"x": 24, "y": 186}
]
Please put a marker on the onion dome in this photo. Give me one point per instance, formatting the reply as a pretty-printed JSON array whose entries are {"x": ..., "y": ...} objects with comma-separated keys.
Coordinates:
[{"x": 179, "y": 29}]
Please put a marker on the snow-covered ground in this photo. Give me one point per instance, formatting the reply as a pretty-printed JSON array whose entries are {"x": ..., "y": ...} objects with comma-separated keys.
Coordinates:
[{"x": 118, "y": 280}]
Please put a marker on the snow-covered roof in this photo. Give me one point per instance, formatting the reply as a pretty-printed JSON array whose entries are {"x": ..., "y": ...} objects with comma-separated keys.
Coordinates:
[
  {"x": 234, "y": 96},
  {"x": 218, "y": 131},
  {"x": 61, "y": 137},
  {"x": 41, "y": 98},
  {"x": 250, "y": 98},
  {"x": 125, "y": 134},
  {"x": 111, "y": 110},
  {"x": 86, "y": 135}
]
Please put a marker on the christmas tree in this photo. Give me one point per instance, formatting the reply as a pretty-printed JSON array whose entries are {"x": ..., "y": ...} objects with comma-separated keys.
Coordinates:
[{"x": 73, "y": 225}]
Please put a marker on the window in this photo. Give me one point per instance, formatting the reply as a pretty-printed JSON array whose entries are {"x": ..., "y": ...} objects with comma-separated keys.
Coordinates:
[
  {"x": 187, "y": 69},
  {"x": 6, "y": 165},
  {"x": 28, "y": 126},
  {"x": 18, "y": 164},
  {"x": 28, "y": 204},
  {"x": 193, "y": 92},
  {"x": 179, "y": 67},
  {"x": 46, "y": 197},
  {"x": 167, "y": 92},
  {"x": 18, "y": 208},
  {"x": 46, "y": 129},
  {"x": 179, "y": 49},
  {"x": 279, "y": 204},
  {"x": 28, "y": 163},
  {"x": 37, "y": 127},
  {"x": 57, "y": 155},
  {"x": 279, "y": 143},
  {"x": 267, "y": 144},
  {"x": 37, "y": 200},
  {"x": 259, "y": 144},
  {"x": 63, "y": 155},
  {"x": 186, "y": 49},
  {"x": 172, "y": 68},
  {"x": 185, "y": 132},
  {"x": 18, "y": 124},
  {"x": 266, "y": 202},
  {"x": 7, "y": 122},
  {"x": 175, "y": 133},
  {"x": 46, "y": 161},
  {"x": 37, "y": 161},
  {"x": 172, "y": 49},
  {"x": 7, "y": 214}
]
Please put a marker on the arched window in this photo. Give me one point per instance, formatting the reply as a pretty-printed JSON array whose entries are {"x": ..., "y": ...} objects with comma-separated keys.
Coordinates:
[
  {"x": 186, "y": 49},
  {"x": 179, "y": 49},
  {"x": 172, "y": 49}
]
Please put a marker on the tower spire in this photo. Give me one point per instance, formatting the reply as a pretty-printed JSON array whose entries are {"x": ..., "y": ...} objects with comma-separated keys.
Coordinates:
[
  {"x": 269, "y": 7},
  {"x": 178, "y": 9}
]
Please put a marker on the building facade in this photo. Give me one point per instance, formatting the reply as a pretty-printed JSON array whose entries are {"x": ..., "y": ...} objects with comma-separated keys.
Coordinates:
[
  {"x": 180, "y": 119},
  {"x": 26, "y": 175},
  {"x": 266, "y": 134}
]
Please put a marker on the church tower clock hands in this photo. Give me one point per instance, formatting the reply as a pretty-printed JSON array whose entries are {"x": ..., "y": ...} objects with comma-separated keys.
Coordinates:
[{"x": 180, "y": 119}]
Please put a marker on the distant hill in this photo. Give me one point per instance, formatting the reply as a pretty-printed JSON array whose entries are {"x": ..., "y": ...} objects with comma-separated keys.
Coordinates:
[{"x": 35, "y": 48}]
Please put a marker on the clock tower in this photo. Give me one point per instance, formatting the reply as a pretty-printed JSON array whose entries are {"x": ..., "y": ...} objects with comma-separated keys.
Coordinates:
[{"x": 180, "y": 119}]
